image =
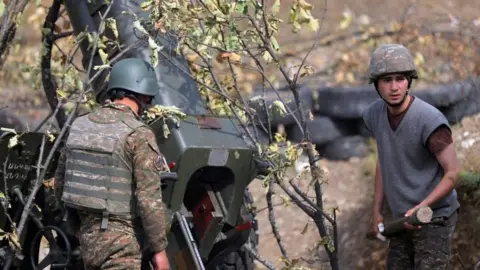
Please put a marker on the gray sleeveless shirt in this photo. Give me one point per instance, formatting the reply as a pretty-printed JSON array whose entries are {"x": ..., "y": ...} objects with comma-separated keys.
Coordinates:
[{"x": 409, "y": 171}]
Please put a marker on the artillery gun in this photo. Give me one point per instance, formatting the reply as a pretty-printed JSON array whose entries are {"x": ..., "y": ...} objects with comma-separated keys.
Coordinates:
[{"x": 211, "y": 160}]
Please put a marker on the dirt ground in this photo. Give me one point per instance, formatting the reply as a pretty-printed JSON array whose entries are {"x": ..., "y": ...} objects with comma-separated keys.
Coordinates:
[
  {"x": 350, "y": 188},
  {"x": 349, "y": 184}
]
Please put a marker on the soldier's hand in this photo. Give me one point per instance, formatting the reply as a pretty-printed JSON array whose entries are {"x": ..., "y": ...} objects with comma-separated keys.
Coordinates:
[
  {"x": 407, "y": 225},
  {"x": 377, "y": 218},
  {"x": 160, "y": 260}
]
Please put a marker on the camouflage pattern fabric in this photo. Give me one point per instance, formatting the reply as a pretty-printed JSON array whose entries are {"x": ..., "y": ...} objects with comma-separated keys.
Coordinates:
[
  {"x": 122, "y": 244},
  {"x": 391, "y": 58},
  {"x": 427, "y": 248}
]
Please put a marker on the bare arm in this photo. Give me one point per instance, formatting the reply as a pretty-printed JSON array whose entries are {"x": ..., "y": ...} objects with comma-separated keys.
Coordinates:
[{"x": 451, "y": 167}]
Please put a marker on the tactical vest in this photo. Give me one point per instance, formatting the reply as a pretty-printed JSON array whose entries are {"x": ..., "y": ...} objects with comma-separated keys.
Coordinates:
[{"x": 98, "y": 175}]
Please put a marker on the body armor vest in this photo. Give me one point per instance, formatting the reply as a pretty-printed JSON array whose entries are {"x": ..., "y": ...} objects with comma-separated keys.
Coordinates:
[{"x": 98, "y": 175}]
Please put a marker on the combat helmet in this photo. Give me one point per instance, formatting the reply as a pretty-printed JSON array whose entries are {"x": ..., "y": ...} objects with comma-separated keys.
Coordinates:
[
  {"x": 391, "y": 58},
  {"x": 134, "y": 75}
]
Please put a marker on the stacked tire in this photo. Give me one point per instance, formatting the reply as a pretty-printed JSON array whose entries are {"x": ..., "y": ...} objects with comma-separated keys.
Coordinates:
[{"x": 337, "y": 127}]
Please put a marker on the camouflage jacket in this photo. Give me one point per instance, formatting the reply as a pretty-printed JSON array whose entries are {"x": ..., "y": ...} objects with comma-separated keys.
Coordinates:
[{"x": 147, "y": 163}]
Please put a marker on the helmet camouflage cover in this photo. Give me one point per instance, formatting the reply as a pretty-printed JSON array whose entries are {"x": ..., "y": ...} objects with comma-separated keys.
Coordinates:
[{"x": 391, "y": 58}]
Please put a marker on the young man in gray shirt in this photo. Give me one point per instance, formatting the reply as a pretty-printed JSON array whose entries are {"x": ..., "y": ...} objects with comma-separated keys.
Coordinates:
[{"x": 417, "y": 164}]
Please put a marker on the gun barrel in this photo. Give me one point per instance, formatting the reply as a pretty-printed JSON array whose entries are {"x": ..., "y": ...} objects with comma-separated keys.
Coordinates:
[{"x": 192, "y": 246}]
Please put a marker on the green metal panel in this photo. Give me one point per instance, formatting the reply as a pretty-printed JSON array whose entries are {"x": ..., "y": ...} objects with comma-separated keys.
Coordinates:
[{"x": 193, "y": 148}]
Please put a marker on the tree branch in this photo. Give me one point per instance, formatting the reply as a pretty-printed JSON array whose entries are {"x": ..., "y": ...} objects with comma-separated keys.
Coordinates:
[
  {"x": 49, "y": 84},
  {"x": 8, "y": 27},
  {"x": 273, "y": 223},
  {"x": 267, "y": 264}
]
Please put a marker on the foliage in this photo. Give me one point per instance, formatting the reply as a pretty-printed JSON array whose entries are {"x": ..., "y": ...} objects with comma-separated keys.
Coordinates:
[
  {"x": 223, "y": 41},
  {"x": 227, "y": 44}
]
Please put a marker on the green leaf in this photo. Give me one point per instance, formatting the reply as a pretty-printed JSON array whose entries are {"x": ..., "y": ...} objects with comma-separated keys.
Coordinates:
[
  {"x": 103, "y": 56},
  {"x": 112, "y": 24},
  {"x": 147, "y": 4},
  {"x": 267, "y": 57},
  {"x": 274, "y": 43},
  {"x": 154, "y": 48},
  {"x": 279, "y": 107},
  {"x": 241, "y": 7},
  {"x": 314, "y": 25},
  {"x": 61, "y": 94},
  {"x": 137, "y": 25},
  {"x": 2, "y": 8}
]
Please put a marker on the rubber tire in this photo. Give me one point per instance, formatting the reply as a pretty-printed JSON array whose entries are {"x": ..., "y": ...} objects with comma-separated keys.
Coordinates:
[
  {"x": 241, "y": 259},
  {"x": 305, "y": 95},
  {"x": 345, "y": 148},
  {"x": 348, "y": 103},
  {"x": 8, "y": 119},
  {"x": 322, "y": 130},
  {"x": 466, "y": 107}
]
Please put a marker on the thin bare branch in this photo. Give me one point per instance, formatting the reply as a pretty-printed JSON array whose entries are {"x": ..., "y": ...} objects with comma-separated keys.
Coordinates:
[
  {"x": 314, "y": 44},
  {"x": 273, "y": 222},
  {"x": 257, "y": 257},
  {"x": 307, "y": 209},
  {"x": 62, "y": 35}
]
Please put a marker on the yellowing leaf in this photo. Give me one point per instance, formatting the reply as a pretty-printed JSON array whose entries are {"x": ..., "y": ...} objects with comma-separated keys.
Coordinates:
[
  {"x": 103, "y": 56},
  {"x": 347, "y": 19},
  {"x": 286, "y": 200},
  {"x": 2, "y": 8},
  {"x": 137, "y": 25},
  {"x": 100, "y": 67},
  {"x": 273, "y": 148},
  {"x": 279, "y": 137},
  {"x": 350, "y": 77},
  {"x": 419, "y": 59},
  {"x": 153, "y": 51},
  {"x": 112, "y": 24},
  {"x": 314, "y": 25},
  {"x": 303, "y": 4},
  {"x": 267, "y": 57},
  {"x": 166, "y": 130},
  {"x": 275, "y": 7},
  {"x": 146, "y": 4},
  {"x": 235, "y": 58},
  {"x": 279, "y": 107},
  {"x": 13, "y": 141},
  {"x": 51, "y": 137}
]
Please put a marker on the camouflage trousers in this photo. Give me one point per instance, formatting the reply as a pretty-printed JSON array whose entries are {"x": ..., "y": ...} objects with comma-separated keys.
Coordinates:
[
  {"x": 427, "y": 248},
  {"x": 116, "y": 248}
]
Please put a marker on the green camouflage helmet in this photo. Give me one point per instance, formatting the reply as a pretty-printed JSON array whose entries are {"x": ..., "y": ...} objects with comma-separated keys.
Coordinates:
[
  {"x": 135, "y": 75},
  {"x": 391, "y": 58}
]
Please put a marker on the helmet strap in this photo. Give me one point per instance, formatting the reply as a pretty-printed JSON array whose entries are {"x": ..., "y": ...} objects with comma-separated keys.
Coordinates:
[{"x": 142, "y": 106}]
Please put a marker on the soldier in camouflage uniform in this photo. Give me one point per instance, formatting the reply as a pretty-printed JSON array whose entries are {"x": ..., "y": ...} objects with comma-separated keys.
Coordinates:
[
  {"x": 417, "y": 164},
  {"x": 109, "y": 172}
]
